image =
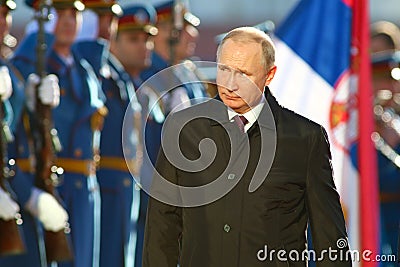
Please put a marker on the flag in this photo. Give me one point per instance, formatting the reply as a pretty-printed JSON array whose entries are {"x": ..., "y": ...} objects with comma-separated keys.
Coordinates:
[{"x": 323, "y": 73}]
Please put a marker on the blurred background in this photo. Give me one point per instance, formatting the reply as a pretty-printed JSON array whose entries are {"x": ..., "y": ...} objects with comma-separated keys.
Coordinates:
[{"x": 218, "y": 16}]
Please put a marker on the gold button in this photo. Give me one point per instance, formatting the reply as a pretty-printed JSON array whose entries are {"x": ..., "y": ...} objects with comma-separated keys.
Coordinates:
[
  {"x": 78, "y": 184},
  {"x": 78, "y": 153},
  {"x": 127, "y": 182}
]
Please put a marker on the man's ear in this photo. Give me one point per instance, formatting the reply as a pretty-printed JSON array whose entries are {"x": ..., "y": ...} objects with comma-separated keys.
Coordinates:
[{"x": 270, "y": 75}]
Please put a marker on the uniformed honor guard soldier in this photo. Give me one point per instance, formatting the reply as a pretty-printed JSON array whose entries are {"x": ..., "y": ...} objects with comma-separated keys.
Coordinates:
[
  {"x": 40, "y": 210},
  {"x": 120, "y": 200},
  {"x": 132, "y": 49},
  {"x": 78, "y": 119},
  {"x": 99, "y": 24}
]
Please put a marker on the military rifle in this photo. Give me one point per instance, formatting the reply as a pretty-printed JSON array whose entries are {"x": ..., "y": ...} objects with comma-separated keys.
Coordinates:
[
  {"x": 46, "y": 144},
  {"x": 11, "y": 242},
  {"x": 177, "y": 27}
]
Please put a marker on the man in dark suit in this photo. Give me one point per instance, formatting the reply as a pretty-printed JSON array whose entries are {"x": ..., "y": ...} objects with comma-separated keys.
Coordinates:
[{"x": 238, "y": 177}]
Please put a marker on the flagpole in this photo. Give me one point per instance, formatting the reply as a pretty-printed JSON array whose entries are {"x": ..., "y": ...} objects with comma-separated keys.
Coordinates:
[{"x": 369, "y": 187}]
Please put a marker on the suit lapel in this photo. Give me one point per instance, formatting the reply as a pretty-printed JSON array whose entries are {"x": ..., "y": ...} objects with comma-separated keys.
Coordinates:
[{"x": 218, "y": 111}]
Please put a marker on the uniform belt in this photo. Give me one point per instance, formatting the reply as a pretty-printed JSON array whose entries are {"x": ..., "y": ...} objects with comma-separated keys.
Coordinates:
[
  {"x": 85, "y": 167},
  {"x": 25, "y": 165},
  {"x": 120, "y": 164},
  {"x": 389, "y": 197}
]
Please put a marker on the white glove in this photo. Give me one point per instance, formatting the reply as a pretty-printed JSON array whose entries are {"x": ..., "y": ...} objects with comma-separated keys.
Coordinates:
[
  {"x": 5, "y": 83},
  {"x": 32, "y": 82},
  {"x": 47, "y": 209},
  {"x": 49, "y": 91},
  {"x": 8, "y": 208}
]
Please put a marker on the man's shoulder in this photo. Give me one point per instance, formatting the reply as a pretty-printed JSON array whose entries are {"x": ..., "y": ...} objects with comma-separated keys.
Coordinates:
[
  {"x": 289, "y": 120},
  {"x": 293, "y": 119},
  {"x": 199, "y": 114},
  {"x": 210, "y": 107}
]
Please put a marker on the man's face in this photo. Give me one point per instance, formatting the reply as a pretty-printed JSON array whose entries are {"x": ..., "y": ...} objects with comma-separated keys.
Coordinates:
[
  {"x": 134, "y": 49},
  {"x": 5, "y": 21},
  {"x": 241, "y": 76},
  {"x": 67, "y": 26},
  {"x": 108, "y": 25}
]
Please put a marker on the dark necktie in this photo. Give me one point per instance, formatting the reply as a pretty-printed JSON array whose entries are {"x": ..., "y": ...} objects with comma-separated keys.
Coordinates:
[{"x": 241, "y": 121}]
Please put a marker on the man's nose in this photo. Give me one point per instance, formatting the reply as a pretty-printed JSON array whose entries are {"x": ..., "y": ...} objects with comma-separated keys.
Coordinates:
[{"x": 231, "y": 83}]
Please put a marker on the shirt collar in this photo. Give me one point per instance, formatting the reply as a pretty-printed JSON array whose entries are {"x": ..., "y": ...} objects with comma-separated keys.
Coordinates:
[{"x": 251, "y": 115}]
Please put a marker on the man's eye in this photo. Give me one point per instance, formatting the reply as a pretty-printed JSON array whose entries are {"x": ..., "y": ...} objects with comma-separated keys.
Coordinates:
[
  {"x": 222, "y": 68},
  {"x": 242, "y": 74}
]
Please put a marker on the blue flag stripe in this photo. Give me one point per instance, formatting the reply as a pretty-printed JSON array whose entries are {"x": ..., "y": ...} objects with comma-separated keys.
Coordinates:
[{"x": 308, "y": 32}]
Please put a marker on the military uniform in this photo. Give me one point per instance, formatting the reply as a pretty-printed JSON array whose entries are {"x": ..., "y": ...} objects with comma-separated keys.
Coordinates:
[
  {"x": 190, "y": 91},
  {"x": 21, "y": 183},
  {"x": 118, "y": 187},
  {"x": 184, "y": 74}
]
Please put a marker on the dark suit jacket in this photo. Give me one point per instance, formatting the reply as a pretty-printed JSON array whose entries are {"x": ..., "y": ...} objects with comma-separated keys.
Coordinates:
[{"x": 242, "y": 228}]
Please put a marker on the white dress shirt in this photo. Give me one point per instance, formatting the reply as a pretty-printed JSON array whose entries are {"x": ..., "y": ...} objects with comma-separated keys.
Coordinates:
[{"x": 251, "y": 115}]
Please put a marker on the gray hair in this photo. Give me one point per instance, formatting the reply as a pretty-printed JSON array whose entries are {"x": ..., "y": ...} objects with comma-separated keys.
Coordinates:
[{"x": 252, "y": 35}]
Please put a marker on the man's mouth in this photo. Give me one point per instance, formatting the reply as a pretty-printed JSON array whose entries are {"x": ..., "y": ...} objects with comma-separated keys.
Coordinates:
[{"x": 232, "y": 97}]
